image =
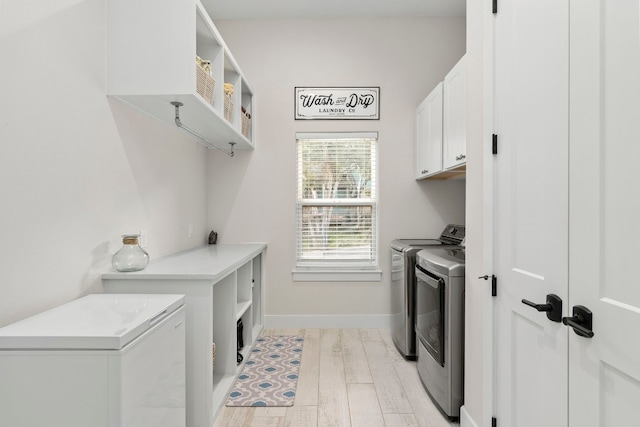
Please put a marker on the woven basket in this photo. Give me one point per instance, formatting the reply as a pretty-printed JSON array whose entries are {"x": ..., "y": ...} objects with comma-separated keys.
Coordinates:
[
  {"x": 228, "y": 102},
  {"x": 246, "y": 124},
  {"x": 205, "y": 84},
  {"x": 228, "y": 106}
]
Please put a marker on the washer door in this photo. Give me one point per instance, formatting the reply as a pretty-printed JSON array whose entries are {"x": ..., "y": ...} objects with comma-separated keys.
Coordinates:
[{"x": 430, "y": 313}]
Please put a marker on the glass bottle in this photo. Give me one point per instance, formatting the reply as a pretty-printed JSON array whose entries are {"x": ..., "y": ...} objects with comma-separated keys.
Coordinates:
[{"x": 131, "y": 257}]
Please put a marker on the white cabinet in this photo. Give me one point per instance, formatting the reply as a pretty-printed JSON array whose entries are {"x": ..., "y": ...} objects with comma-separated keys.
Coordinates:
[
  {"x": 222, "y": 283},
  {"x": 441, "y": 128},
  {"x": 454, "y": 148},
  {"x": 151, "y": 61},
  {"x": 100, "y": 361},
  {"x": 429, "y": 134}
]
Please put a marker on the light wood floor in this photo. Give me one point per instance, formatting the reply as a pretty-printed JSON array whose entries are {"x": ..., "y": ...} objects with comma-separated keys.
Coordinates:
[{"x": 348, "y": 377}]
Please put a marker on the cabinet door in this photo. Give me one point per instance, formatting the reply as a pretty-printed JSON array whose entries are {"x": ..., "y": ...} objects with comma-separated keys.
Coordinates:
[
  {"x": 53, "y": 388},
  {"x": 149, "y": 374},
  {"x": 455, "y": 137},
  {"x": 429, "y": 134}
]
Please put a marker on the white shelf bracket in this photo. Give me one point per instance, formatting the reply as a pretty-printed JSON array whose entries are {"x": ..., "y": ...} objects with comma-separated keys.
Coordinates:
[{"x": 208, "y": 143}]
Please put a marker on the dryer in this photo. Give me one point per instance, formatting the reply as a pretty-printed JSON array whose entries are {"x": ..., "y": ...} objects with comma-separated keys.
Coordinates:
[{"x": 440, "y": 275}]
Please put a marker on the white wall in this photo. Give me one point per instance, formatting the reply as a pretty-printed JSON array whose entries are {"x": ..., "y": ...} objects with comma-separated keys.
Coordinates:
[
  {"x": 77, "y": 170},
  {"x": 253, "y": 198}
]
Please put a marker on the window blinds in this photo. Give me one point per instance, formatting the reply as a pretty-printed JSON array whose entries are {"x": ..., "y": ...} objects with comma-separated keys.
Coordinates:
[{"x": 336, "y": 200}]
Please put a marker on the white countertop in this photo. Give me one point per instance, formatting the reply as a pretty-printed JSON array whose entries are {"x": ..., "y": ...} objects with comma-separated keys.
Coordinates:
[
  {"x": 211, "y": 263},
  {"x": 96, "y": 321}
]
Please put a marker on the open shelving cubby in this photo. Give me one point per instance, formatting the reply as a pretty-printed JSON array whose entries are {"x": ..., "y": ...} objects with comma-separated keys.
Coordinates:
[
  {"x": 224, "y": 367},
  {"x": 244, "y": 302},
  {"x": 256, "y": 296}
]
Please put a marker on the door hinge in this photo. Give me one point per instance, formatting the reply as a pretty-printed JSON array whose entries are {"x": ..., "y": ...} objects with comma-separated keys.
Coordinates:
[
  {"x": 494, "y": 283},
  {"x": 494, "y": 422},
  {"x": 495, "y": 6},
  {"x": 494, "y": 144}
]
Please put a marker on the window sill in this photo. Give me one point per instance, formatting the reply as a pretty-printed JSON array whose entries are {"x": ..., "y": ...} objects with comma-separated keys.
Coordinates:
[{"x": 337, "y": 275}]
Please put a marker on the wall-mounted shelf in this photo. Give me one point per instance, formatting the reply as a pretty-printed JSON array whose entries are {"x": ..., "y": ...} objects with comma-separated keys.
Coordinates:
[{"x": 151, "y": 61}]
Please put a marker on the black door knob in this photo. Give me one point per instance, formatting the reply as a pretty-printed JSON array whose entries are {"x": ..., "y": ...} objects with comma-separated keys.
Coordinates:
[
  {"x": 581, "y": 321},
  {"x": 553, "y": 307}
]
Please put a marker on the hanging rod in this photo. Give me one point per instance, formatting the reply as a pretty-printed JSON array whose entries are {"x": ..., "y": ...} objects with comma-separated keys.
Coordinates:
[{"x": 177, "y": 105}]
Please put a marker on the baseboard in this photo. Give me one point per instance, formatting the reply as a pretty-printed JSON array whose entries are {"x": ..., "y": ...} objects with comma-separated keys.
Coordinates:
[
  {"x": 465, "y": 418},
  {"x": 368, "y": 321}
]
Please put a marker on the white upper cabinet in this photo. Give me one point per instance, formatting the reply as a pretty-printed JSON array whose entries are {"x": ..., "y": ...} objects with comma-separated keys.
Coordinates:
[
  {"x": 441, "y": 128},
  {"x": 455, "y": 135},
  {"x": 152, "y": 47},
  {"x": 429, "y": 134}
]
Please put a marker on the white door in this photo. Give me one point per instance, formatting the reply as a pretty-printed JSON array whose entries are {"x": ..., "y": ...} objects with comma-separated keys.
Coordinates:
[
  {"x": 531, "y": 217},
  {"x": 604, "y": 387}
]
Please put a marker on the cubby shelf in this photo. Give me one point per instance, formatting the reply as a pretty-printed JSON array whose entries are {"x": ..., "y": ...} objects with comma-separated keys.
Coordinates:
[
  {"x": 242, "y": 308},
  {"x": 151, "y": 62}
]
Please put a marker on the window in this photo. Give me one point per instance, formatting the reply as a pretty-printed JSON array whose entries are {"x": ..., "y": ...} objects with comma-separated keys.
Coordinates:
[{"x": 337, "y": 207}]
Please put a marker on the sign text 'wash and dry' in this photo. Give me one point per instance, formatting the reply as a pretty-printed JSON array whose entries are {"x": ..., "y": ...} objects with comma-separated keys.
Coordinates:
[{"x": 337, "y": 103}]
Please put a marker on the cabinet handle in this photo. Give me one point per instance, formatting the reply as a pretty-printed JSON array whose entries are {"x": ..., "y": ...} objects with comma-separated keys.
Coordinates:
[
  {"x": 461, "y": 157},
  {"x": 158, "y": 317},
  {"x": 424, "y": 171}
]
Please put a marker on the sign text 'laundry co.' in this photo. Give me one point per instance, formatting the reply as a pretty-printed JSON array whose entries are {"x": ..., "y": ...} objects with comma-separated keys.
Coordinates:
[{"x": 335, "y": 103}]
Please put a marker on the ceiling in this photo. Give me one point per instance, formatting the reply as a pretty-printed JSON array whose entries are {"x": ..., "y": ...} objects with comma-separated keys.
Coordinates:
[{"x": 259, "y": 9}]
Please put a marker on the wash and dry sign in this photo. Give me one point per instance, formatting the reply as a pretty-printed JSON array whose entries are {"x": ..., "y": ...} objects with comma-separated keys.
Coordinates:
[{"x": 335, "y": 103}]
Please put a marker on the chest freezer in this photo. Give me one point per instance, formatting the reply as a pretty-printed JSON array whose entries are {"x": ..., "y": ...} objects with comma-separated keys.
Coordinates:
[{"x": 104, "y": 360}]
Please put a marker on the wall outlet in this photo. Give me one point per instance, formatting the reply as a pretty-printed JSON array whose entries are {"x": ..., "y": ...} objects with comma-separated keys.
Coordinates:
[{"x": 190, "y": 231}]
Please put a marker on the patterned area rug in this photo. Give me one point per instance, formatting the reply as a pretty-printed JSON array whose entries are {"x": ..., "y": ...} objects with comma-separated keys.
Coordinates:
[{"x": 270, "y": 375}]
